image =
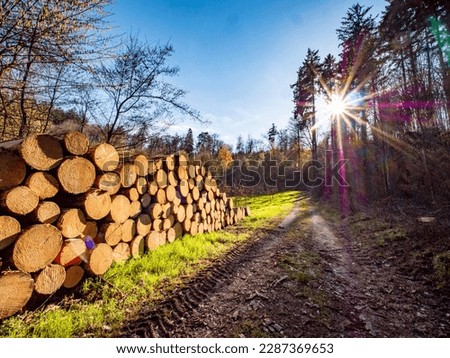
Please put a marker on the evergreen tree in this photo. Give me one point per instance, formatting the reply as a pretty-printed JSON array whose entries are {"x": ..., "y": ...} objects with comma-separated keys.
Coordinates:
[{"x": 188, "y": 142}]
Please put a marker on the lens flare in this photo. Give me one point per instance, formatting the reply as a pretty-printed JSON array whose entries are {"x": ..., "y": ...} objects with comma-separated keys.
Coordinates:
[{"x": 337, "y": 105}]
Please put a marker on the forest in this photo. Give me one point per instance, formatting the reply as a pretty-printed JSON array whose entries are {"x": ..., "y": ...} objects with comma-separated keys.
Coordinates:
[
  {"x": 382, "y": 105},
  {"x": 347, "y": 203}
]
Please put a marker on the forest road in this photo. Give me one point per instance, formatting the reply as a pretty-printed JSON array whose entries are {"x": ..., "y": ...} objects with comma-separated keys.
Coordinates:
[{"x": 304, "y": 278}]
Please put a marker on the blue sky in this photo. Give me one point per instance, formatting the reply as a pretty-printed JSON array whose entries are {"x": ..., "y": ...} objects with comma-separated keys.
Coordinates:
[{"x": 237, "y": 58}]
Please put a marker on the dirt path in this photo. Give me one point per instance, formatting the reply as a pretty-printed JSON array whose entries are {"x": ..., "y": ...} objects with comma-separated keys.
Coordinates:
[{"x": 303, "y": 279}]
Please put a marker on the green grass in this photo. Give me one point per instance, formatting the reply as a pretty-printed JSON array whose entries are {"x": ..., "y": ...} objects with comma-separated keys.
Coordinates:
[
  {"x": 106, "y": 302},
  {"x": 267, "y": 208}
]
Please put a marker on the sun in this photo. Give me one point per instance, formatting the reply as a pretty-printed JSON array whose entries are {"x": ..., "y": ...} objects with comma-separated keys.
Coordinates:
[{"x": 337, "y": 105}]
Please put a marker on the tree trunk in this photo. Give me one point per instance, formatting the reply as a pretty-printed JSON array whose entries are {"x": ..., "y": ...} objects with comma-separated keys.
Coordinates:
[
  {"x": 101, "y": 259},
  {"x": 76, "y": 175},
  {"x": 71, "y": 223},
  {"x": 105, "y": 157}
]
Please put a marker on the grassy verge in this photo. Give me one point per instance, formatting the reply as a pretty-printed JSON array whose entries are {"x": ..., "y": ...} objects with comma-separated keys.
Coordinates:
[{"x": 106, "y": 302}]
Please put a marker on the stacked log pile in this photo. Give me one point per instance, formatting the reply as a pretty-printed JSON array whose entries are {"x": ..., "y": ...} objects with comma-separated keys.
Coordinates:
[{"x": 68, "y": 210}]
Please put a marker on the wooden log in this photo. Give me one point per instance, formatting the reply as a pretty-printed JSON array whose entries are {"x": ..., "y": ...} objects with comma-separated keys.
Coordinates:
[
  {"x": 183, "y": 188},
  {"x": 171, "y": 193},
  {"x": 192, "y": 171},
  {"x": 199, "y": 183},
  {"x": 181, "y": 214},
  {"x": 168, "y": 223},
  {"x": 182, "y": 172},
  {"x": 74, "y": 274},
  {"x": 186, "y": 225},
  {"x": 181, "y": 159},
  {"x": 166, "y": 210},
  {"x": 154, "y": 240},
  {"x": 191, "y": 183},
  {"x": 70, "y": 253},
  {"x": 128, "y": 175},
  {"x": 143, "y": 224},
  {"x": 71, "y": 223},
  {"x": 120, "y": 209},
  {"x": 96, "y": 204},
  {"x": 131, "y": 193},
  {"x": 155, "y": 210},
  {"x": 20, "y": 200},
  {"x": 160, "y": 196},
  {"x": 111, "y": 233},
  {"x": 12, "y": 170},
  {"x": 9, "y": 231},
  {"x": 146, "y": 200},
  {"x": 189, "y": 211},
  {"x": 153, "y": 188},
  {"x": 121, "y": 252},
  {"x": 128, "y": 230},
  {"x": 189, "y": 199},
  {"x": 137, "y": 246},
  {"x": 76, "y": 143},
  {"x": 36, "y": 247},
  {"x": 172, "y": 178},
  {"x": 16, "y": 289},
  {"x": 109, "y": 182},
  {"x": 154, "y": 164},
  {"x": 50, "y": 279},
  {"x": 141, "y": 164},
  {"x": 161, "y": 178},
  {"x": 169, "y": 163},
  {"x": 141, "y": 185},
  {"x": 101, "y": 259},
  {"x": 193, "y": 230},
  {"x": 157, "y": 225},
  {"x": 105, "y": 157},
  {"x": 170, "y": 235},
  {"x": 248, "y": 211},
  {"x": 178, "y": 227},
  {"x": 201, "y": 228},
  {"x": 135, "y": 209},
  {"x": 195, "y": 192},
  {"x": 76, "y": 175},
  {"x": 43, "y": 184},
  {"x": 41, "y": 151},
  {"x": 47, "y": 212},
  {"x": 91, "y": 229}
]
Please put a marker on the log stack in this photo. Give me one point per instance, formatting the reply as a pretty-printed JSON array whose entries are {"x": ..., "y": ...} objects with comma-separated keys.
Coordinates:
[{"x": 68, "y": 210}]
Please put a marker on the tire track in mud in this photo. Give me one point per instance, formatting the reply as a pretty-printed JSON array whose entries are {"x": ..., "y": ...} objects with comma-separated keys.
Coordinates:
[{"x": 167, "y": 318}]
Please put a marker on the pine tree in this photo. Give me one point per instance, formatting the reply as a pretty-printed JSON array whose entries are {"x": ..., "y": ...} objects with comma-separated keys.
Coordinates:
[{"x": 188, "y": 142}]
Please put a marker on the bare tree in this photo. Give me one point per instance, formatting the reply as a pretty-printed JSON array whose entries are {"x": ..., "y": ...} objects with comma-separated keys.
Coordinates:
[{"x": 135, "y": 89}]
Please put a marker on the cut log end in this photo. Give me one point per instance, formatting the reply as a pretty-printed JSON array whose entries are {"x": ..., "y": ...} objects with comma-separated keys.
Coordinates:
[
  {"x": 76, "y": 143},
  {"x": 105, "y": 157},
  {"x": 74, "y": 275},
  {"x": 50, "y": 279},
  {"x": 36, "y": 247},
  {"x": 43, "y": 184},
  {"x": 101, "y": 259},
  {"x": 9, "y": 231},
  {"x": 20, "y": 200},
  {"x": 16, "y": 288},
  {"x": 12, "y": 170},
  {"x": 76, "y": 175}
]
